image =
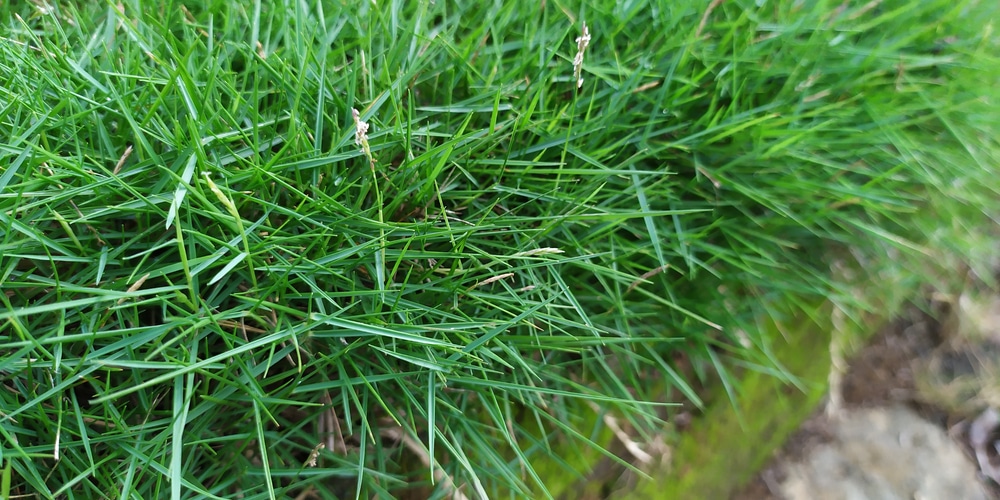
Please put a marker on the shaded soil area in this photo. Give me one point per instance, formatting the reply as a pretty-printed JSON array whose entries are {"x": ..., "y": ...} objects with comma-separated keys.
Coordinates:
[{"x": 885, "y": 374}]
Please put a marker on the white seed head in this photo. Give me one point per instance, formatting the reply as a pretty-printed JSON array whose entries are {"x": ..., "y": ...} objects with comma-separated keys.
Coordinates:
[
  {"x": 491, "y": 279},
  {"x": 361, "y": 136},
  {"x": 314, "y": 454},
  {"x": 360, "y": 129},
  {"x": 538, "y": 251},
  {"x": 582, "y": 42}
]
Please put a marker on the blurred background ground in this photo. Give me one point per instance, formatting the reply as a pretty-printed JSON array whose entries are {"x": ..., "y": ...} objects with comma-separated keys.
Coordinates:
[{"x": 900, "y": 426}]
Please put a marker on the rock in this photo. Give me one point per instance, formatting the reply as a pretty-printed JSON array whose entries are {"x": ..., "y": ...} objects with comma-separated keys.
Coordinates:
[{"x": 883, "y": 453}]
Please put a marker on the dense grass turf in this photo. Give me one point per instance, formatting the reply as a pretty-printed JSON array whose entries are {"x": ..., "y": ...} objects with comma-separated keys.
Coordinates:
[{"x": 217, "y": 282}]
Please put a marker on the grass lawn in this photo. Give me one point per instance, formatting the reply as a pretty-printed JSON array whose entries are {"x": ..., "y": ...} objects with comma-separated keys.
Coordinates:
[{"x": 313, "y": 249}]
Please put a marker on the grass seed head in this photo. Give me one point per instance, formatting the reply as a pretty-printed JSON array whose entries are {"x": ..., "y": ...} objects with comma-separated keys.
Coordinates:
[
  {"x": 582, "y": 42},
  {"x": 361, "y": 134}
]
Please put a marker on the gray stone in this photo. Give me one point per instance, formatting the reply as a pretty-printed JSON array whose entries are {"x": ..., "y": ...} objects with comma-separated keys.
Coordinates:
[{"x": 883, "y": 453}]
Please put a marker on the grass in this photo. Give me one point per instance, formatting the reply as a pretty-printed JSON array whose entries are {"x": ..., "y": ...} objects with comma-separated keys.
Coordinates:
[{"x": 214, "y": 286}]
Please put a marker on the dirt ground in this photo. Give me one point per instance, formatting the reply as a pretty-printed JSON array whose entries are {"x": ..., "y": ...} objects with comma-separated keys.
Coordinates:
[{"x": 887, "y": 374}]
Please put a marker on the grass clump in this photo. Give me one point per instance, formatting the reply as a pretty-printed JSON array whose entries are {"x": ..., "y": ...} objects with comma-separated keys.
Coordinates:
[{"x": 307, "y": 249}]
